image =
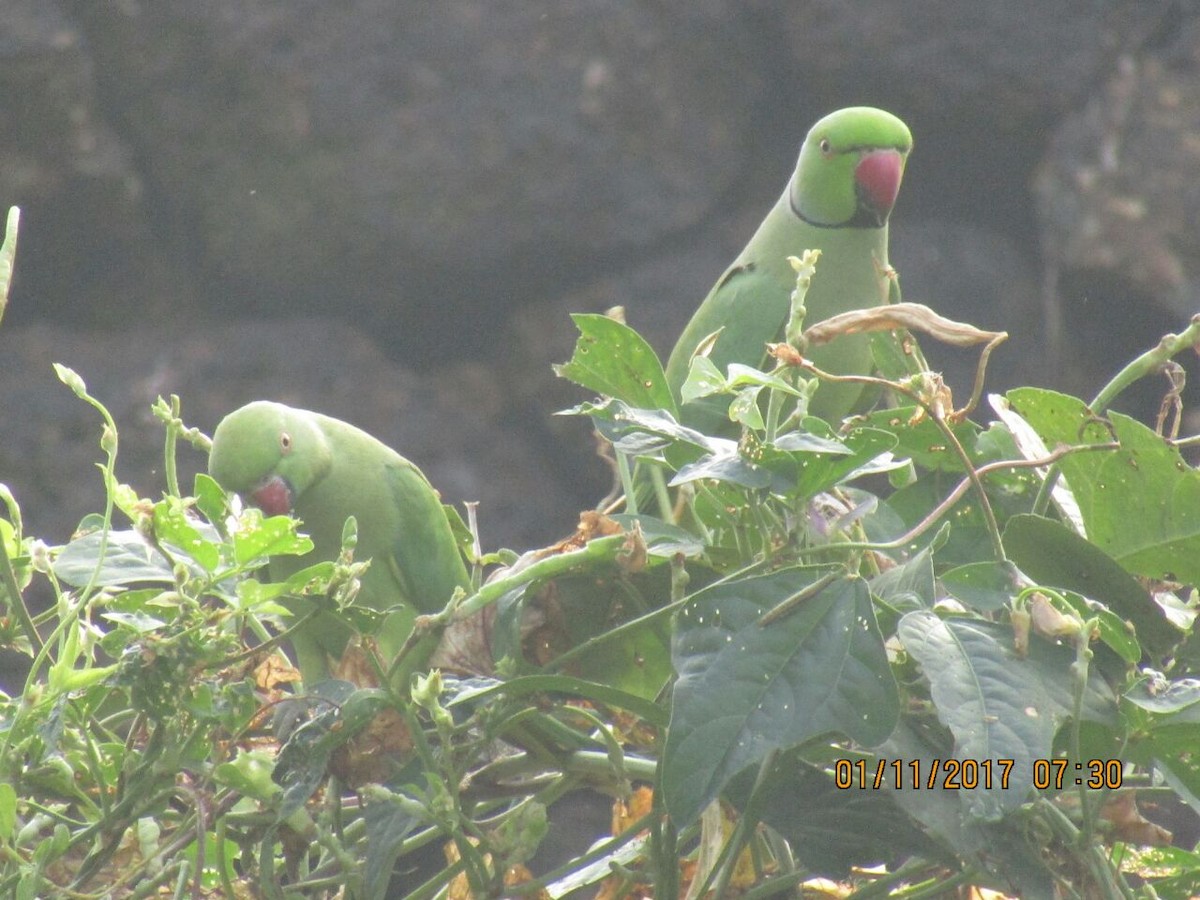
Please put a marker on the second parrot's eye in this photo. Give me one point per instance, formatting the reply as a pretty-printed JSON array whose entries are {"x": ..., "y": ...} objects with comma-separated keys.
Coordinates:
[
  {"x": 285, "y": 442},
  {"x": 825, "y": 146}
]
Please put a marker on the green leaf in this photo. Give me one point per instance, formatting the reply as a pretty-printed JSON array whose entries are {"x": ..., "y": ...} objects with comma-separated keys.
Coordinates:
[
  {"x": 821, "y": 470},
  {"x": 969, "y": 538},
  {"x": 703, "y": 380},
  {"x": 210, "y": 498},
  {"x": 744, "y": 409},
  {"x": 172, "y": 526},
  {"x": 8, "y": 812},
  {"x": 137, "y": 622},
  {"x": 830, "y": 829},
  {"x": 909, "y": 584},
  {"x": 388, "y": 823},
  {"x": 803, "y": 441},
  {"x": 462, "y": 533},
  {"x": 745, "y": 689},
  {"x": 250, "y": 774},
  {"x": 1172, "y": 873},
  {"x": 923, "y": 441},
  {"x": 746, "y": 376},
  {"x": 1141, "y": 502},
  {"x": 8, "y": 254},
  {"x": 638, "y": 663},
  {"x": 214, "y": 852},
  {"x": 1004, "y": 845},
  {"x": 1052, "y": 554},
  {"x": 728, "y": 466},
  {"x": 615, "y": 361},
  {"x": 128, "y": 559},
  {"x": 1173, "y": 697},
  {"x": 1113, "y": 631},
  {"x": 662, "y": 539},
  {"x": 998, "y": 705},
  {"x": 304, "y": 758},
  {"x": 982, "y": 586},
  {"x": 889, "y": 351},
  {"x": 259, "y": 538},
  {"x": 635, "y": 431},
  {"x": 798, "y": 464},
  {"x": 67, "y": 680},
  {"x": 1171, "y": 748}
]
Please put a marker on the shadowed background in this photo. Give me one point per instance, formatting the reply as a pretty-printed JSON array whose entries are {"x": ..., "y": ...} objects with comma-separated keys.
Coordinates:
[{"x": 385, "y": 210}]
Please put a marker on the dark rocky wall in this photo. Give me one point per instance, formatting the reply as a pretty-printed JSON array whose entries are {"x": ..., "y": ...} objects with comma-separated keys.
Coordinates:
[{"x": 385, "y": 210}]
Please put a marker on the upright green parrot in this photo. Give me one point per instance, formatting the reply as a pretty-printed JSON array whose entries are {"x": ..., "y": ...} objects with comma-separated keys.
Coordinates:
[
  {"x": 838, "y": 202},
  {"x": 322, "y": 470}
]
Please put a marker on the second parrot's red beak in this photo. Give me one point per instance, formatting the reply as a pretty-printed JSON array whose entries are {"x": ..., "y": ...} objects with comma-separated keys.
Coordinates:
[
  {"x": 878, "y": 177},
  {"x": 274, "y": 496}
]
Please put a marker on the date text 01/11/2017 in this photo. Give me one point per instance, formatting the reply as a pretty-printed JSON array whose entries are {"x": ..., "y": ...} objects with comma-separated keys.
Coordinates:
[{"x": 972, "y": 774}]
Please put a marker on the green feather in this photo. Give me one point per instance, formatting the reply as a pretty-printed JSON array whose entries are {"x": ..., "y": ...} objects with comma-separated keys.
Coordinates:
[
  {"x": 824, "y": 208},
  {"x": 333, "y": 470}
]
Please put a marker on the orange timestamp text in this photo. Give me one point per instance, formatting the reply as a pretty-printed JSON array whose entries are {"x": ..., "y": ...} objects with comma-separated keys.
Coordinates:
[{"x": 971, "y": 774}]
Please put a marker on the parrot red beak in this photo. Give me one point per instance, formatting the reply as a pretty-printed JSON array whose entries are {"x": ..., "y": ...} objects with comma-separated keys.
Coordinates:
[
  {"x": 274, "y": 496},
  {"x": 878, "y": 177}
]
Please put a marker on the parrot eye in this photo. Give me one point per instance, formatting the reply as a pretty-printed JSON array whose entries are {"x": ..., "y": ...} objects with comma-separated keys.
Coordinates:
[
  {"x": 825, "y": 146},
  {"x": 285, "y": 442}
]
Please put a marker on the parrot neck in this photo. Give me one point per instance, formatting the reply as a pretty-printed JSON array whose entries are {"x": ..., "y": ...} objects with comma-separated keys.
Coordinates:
[
  {"x": 864, "y": 217},
  {"x": 858, "y": 220}
]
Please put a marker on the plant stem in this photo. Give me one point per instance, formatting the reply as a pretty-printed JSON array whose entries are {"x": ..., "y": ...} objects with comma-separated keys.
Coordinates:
[
  {"x": 727, "y": 863},
  {"x": 8, "y": 582},
  {"x": 598, "y": 550},
  {"x": 1148, "y": 363},
  {"x": 8, "y": 253}
]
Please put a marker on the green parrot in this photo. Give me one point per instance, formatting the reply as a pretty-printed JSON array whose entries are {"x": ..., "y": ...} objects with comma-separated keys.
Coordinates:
[
  {"x": 838, "y": 202},
  {"x": 322, "y": 470}
]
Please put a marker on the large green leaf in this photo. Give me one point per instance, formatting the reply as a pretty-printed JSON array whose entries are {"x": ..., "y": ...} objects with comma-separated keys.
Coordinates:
[
  {"x": 731, "y": 467},
  {"x": 389, "y": 818},
  {"x": 830, "y": 829},
  {"x": 746, "y": 689},
  {"x": 998, "y": 705},
  {"x": 1008, "y": 848},
  {"x": 128, "y": 559},
  {"x": 1052, "y": 554},
  {"x": 1164, "y": 718},
  {"x": 798, "y": 463},
  {"x": 909, "y": 584},
  {"x": 614, "y": 360},
  {"x": 1141, "y": 502},
  {"x": 628, "y": 426},
  {"x": 821, "y": 471},
  {"x": 922, "y": 440},
  {"x": 985, "y": 586},
  {"x": 968, "y": 541}
]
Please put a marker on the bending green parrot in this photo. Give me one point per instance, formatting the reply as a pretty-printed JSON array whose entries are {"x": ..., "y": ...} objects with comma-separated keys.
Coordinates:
[
  {"x": 838, "y": 202},
  {"x": 323, "y": 470}
]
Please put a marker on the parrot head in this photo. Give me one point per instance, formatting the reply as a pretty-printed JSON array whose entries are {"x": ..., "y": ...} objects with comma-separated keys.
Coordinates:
[
  {"x": 269, "y": 453},
  {"x": 850, "y": 168}
]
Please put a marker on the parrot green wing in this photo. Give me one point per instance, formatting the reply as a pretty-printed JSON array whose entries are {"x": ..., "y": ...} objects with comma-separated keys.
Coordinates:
[
  {"x": 743, "y": 337},
  {"x": 402, "y": 529},
  {"x": 422, "y": 562},
  {"x": 424, "y": 558}
]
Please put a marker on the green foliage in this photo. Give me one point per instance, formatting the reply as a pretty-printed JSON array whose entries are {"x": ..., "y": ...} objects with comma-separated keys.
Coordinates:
[
  {"x": 895, "y": 639},
  {"x": 800, "y": 641},
  {"x": 741, "y": 682}
]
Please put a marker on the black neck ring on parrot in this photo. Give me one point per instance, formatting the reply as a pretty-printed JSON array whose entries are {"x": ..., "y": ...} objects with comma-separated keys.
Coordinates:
[{"x": 864, "y": 217}]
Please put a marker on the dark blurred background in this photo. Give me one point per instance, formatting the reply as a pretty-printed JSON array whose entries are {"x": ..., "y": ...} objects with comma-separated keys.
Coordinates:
[{"x": 386, "y": 209}]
